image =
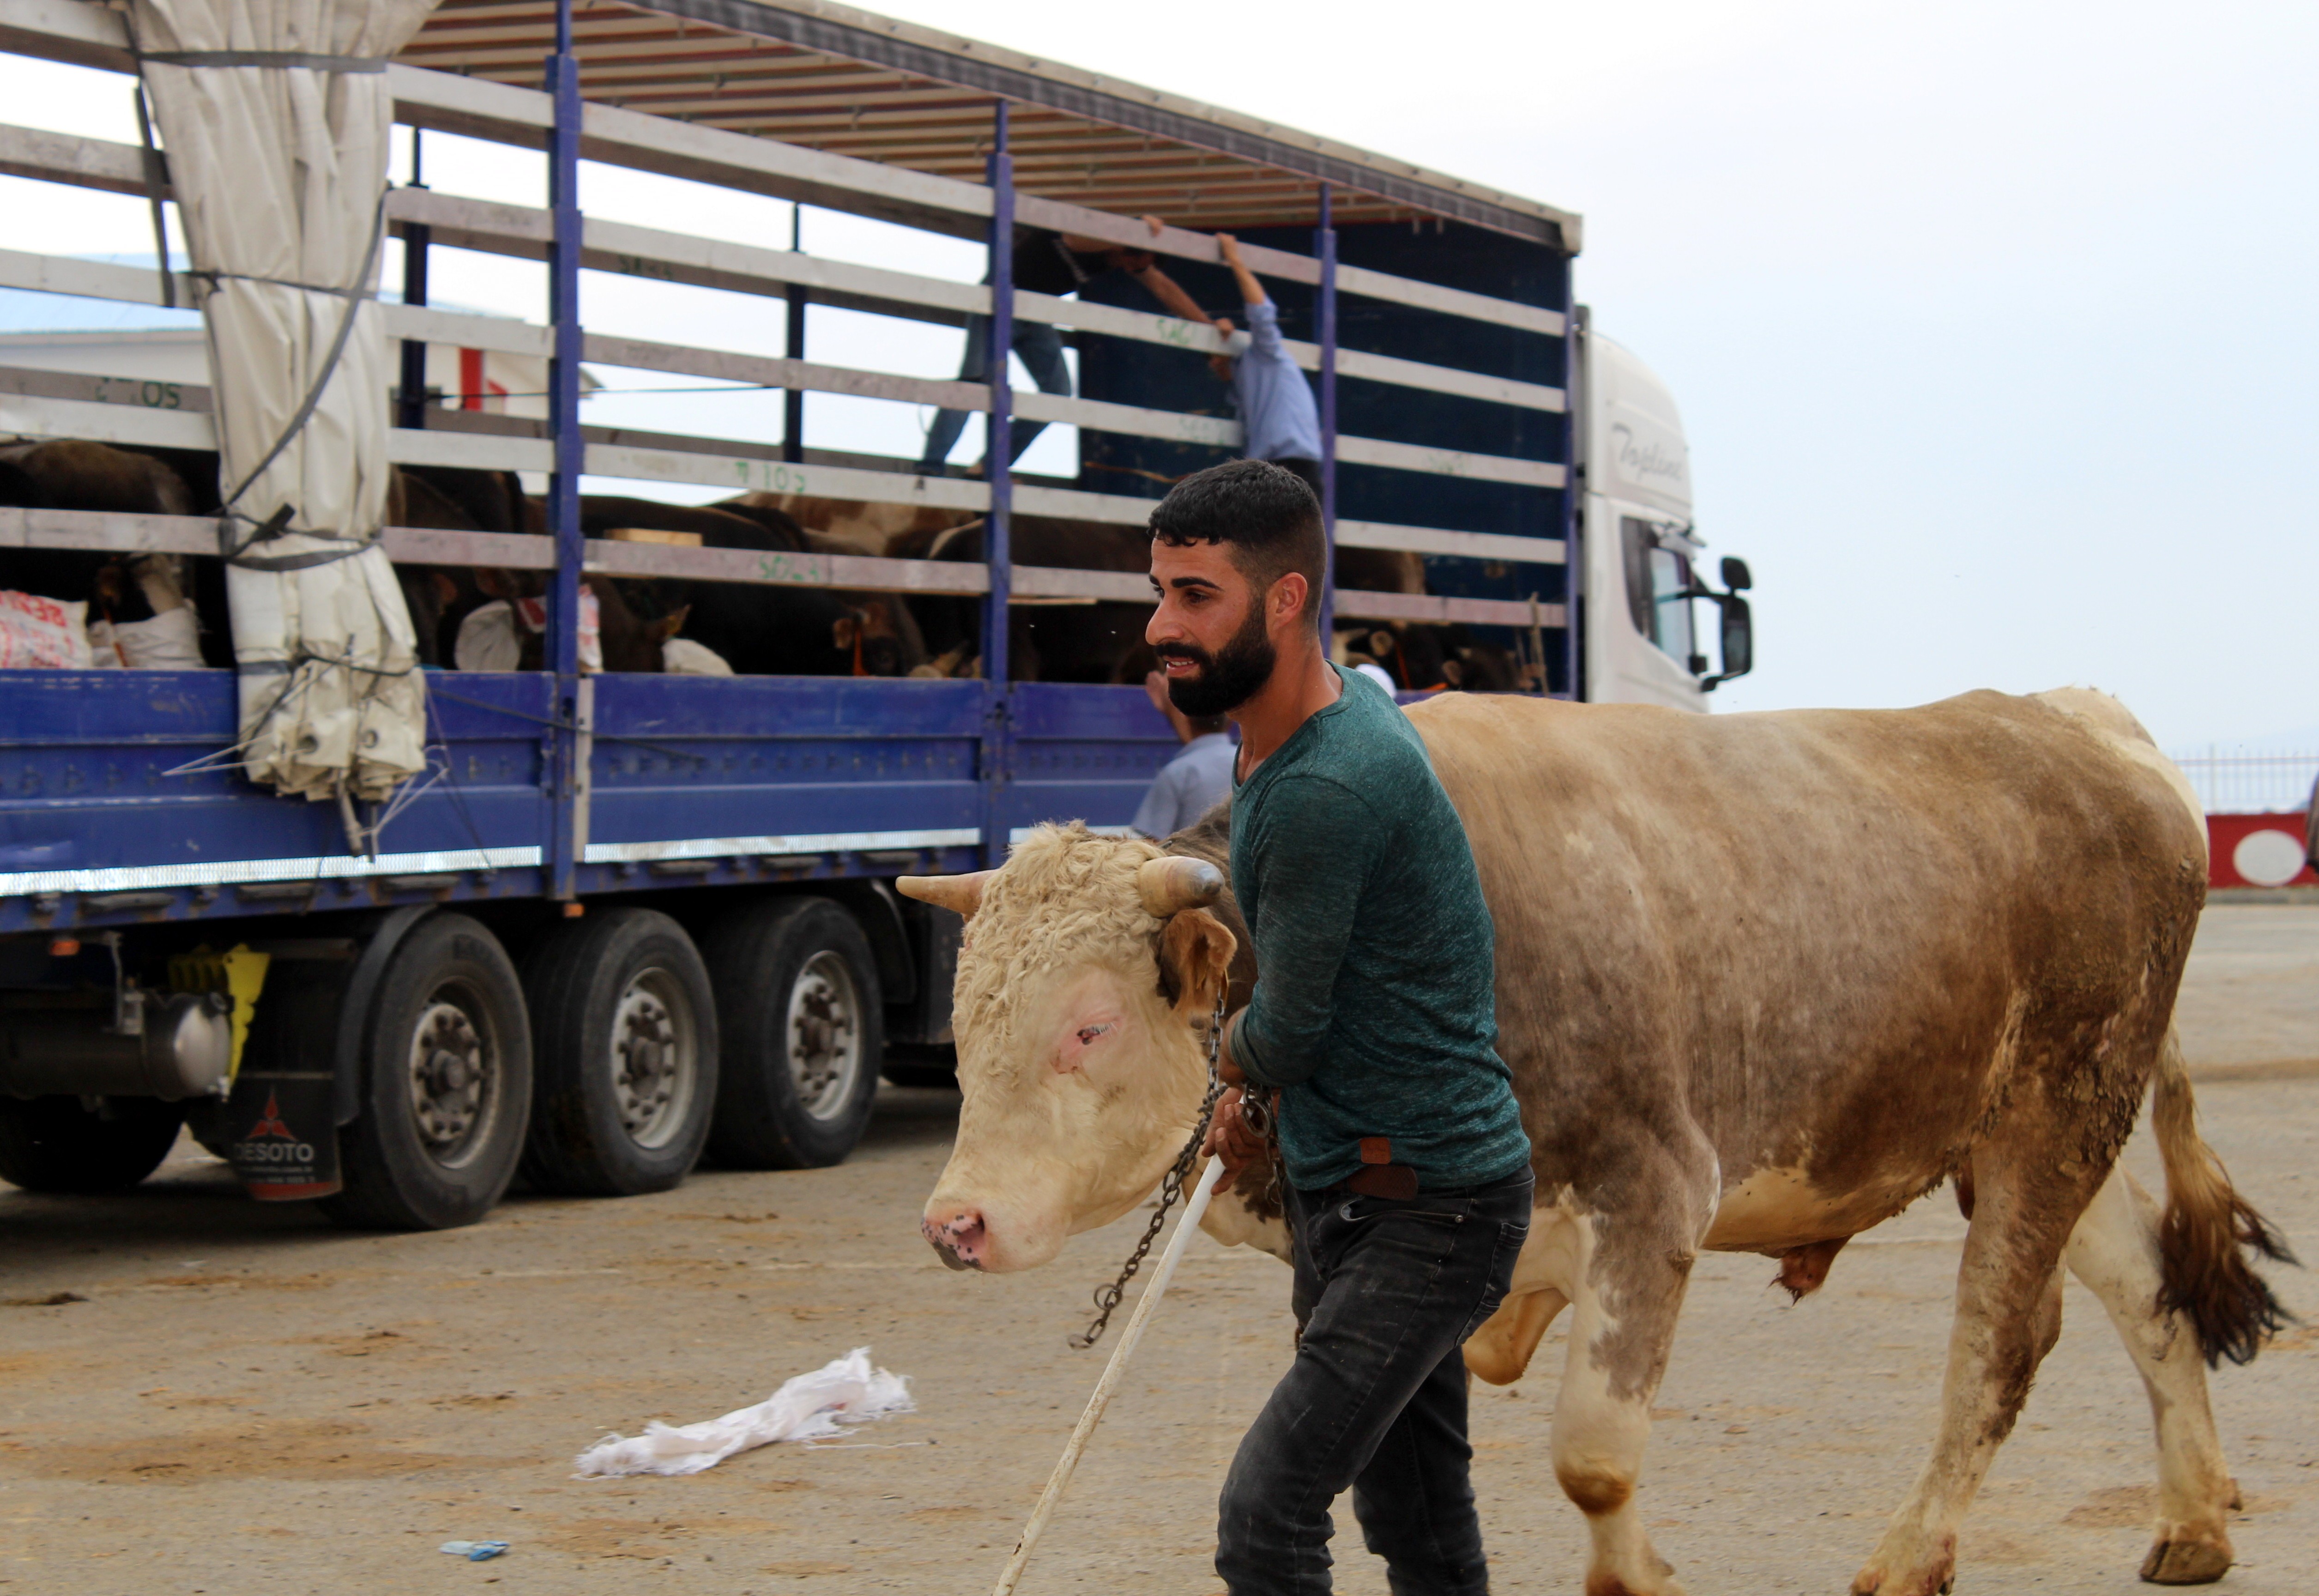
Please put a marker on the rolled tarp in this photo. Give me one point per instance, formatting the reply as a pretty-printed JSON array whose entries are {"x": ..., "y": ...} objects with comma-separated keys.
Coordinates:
[{"x": 275, "y": 115}]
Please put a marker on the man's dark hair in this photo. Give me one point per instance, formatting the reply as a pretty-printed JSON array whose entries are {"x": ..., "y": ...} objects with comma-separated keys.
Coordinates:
[{"x": 1264, "y": 515}]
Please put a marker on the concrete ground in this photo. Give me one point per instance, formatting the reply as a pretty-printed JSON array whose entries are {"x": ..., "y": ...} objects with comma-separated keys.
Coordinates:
[{"x": 236, "y": 1397}]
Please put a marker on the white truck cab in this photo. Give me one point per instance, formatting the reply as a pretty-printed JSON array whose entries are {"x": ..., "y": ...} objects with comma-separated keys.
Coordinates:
[{"x": 1644, "y": 596}]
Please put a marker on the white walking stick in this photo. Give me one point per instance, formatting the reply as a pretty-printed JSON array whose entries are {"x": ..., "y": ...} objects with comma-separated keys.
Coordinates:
[{"x": 1205, "y": 1188}]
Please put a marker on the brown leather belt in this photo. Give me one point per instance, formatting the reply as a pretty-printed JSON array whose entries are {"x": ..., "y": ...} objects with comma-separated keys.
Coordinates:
[
  {"x": 1379, "y": 1176},
  {"x": 1398, "y": 1181}
]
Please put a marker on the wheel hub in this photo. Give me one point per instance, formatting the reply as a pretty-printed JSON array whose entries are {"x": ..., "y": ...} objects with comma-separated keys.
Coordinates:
[
  {"x": 825, "y": 1033},
  {"x": 448, "y": 1075},
  {"x": 652, "y": 1062}
]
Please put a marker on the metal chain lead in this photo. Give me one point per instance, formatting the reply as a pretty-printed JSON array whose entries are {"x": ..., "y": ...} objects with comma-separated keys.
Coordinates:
[
  {"x": 1107, "y": 1298},
  {"x": 1263, "y": 1122}
]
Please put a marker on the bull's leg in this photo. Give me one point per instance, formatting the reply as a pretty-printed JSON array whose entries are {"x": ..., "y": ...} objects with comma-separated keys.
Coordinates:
[
  {"x": 2008, "y": 1314},
  {"x": 2113, "y": 1251},
  {"x": 1624, "y": 1296},
  {"x": 1500, "y": 1352}
]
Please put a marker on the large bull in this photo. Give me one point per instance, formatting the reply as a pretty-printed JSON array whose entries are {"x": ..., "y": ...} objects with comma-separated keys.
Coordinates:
[{"x": 1763, "y": 980}]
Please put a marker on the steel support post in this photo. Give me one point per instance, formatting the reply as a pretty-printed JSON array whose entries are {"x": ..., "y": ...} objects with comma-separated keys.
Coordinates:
[
  {"x": 793, "y": 347},
  {"x": 1574, "y": 490},
  {"x": 998, "y": 742},
  {"x": 1324, "y": 317},
  {"x": 410, "y": 407},
  {"x": 570, "y": 451}
]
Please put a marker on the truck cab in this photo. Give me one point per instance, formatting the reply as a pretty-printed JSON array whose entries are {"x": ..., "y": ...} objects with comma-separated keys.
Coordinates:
[{"x": 1651, "y": 619}]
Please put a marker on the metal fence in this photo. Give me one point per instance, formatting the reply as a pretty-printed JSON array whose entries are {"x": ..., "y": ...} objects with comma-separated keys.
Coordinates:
[{"x": 2250, "y": 783}]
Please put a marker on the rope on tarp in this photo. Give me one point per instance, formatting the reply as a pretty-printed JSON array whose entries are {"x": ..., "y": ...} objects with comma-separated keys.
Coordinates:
[
  {"x": 157, "y": 178},
  {"x": 264, "y": 57},
  {"x": 275, "y": 526}
]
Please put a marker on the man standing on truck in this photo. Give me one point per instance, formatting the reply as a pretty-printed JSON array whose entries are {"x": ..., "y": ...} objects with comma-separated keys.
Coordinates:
[
  {"x": 1408, "y": 1180},
  {"x": 1056, "y": 264},
  {"x": 1278, "y": 420}
]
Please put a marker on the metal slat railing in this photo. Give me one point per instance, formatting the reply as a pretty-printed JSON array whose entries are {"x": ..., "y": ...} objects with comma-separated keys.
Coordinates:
[
  {"x": 2245, "y": 783},
  {"x": 559, "y": 233}
]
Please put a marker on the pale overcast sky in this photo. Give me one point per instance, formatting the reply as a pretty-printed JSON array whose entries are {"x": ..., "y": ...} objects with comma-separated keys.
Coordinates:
[{"x": 1992, "y": 324}]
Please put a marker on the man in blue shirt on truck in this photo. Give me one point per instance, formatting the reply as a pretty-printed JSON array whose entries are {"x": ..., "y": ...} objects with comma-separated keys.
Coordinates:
[
  {"x": 1408, "y": 1182},
  {"x": 1278, "y": 420}
]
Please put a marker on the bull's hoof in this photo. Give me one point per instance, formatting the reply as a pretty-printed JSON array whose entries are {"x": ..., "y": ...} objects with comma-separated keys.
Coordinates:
[
  {"x": 1602, "y": 1581},
  {"x": 1873, "y": 1581},
  {"x": 2186, "y": 1561}
]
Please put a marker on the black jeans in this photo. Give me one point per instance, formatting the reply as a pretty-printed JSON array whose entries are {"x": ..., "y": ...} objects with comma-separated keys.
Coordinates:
[{"x": 1386, "y": 1292}]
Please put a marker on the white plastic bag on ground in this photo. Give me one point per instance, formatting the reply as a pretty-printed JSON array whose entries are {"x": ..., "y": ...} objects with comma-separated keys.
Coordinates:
[
  {"x": 42, "y": 633},
  {"x": 681, "y": 656},
  {"x": 807, "y": 1408},
  {"x": 170, "y": 641}
]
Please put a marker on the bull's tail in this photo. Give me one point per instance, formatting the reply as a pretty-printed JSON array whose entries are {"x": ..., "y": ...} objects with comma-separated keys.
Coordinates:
[{"x": 2208, "y": 1229}]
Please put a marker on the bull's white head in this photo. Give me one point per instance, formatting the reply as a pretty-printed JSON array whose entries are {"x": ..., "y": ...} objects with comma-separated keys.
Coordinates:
[{"x": 1086, "y": 963}]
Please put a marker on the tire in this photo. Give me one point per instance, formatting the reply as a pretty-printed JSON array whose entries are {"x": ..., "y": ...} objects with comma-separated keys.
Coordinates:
[
  {"x": 800, "y": 1011},
  {"x": 53, "y": 1144},
  {"x": 623, "y": 1071},
  {"x": 925, "y": 1064},
  {"x": 446, "y": 1084}
]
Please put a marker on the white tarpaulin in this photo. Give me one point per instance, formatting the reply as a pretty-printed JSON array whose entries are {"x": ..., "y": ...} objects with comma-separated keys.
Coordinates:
[{"x": 275, "y": 114}]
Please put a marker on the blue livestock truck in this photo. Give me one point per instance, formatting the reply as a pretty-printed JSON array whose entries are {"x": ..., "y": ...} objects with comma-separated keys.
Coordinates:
[{"x": 609, "y": 919}]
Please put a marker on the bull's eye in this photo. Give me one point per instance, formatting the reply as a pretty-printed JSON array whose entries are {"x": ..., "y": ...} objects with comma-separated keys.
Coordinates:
[{"x": 1088, "y": 1034}]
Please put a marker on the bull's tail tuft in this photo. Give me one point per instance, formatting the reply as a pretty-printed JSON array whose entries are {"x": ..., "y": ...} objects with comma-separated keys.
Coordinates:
[{"x": 2208, "y": 1229}]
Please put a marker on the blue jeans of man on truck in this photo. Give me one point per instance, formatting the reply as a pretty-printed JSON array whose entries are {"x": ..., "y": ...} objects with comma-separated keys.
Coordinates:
[{"x": 1041, "y": 346}]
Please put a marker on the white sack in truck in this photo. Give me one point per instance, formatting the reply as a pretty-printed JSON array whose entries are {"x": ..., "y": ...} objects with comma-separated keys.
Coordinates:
[
  {"x": 42, "y": 633},
  {"x": 275, "y": 119},
  {"x": 170, "y": 641}
]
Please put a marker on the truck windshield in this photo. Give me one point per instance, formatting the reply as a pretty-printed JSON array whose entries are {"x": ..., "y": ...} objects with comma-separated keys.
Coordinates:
[{"x": 1658, "y": 590}]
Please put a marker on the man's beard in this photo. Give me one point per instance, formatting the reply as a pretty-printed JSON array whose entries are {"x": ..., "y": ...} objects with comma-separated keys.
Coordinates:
[{"x": 1228, "y": 678}]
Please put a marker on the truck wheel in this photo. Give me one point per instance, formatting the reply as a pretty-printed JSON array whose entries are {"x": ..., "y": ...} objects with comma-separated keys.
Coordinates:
[
  {"x": 798, "y": 1008},
  {"x": 624, "y": 1055},
  {"x": 53, "y": 1144},
  {"x": 446, "y": 1084}
]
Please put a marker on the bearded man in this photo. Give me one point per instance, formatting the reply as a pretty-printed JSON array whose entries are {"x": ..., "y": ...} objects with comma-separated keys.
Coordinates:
[{"x": 1408, "y": 1181}]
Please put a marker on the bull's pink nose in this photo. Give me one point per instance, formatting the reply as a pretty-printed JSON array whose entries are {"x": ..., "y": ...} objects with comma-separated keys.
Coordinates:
[{"x": 958, "y": 1236}]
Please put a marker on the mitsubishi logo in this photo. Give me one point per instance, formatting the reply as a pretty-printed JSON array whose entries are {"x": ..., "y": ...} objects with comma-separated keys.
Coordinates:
[{"x": 271, "y": 1123}]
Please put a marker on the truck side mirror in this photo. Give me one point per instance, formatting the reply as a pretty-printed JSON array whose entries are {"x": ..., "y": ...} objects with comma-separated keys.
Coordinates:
[
  {"x": 1735, "y": 574},
  {"x": 1739, "y": 640}
]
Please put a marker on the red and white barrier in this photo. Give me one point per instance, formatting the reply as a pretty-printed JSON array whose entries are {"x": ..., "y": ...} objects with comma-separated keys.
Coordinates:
[{"x": 2257, "y": 850}]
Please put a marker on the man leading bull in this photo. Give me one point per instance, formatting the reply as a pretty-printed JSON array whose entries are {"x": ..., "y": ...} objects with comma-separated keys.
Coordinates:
[{"x": 1408, "y": 1171}]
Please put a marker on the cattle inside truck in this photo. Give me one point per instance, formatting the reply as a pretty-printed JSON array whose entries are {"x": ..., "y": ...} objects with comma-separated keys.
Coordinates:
[{"x": 611, "y": 918}]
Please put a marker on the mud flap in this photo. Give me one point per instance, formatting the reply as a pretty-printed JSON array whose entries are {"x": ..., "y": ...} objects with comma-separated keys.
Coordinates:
[
  {"x": 282, "y": 1120},
  {"x": 284, "y": 1131}
]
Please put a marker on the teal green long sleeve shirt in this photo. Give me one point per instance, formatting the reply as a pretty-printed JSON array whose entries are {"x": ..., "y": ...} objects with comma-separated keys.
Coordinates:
[{"x": 1374, "y": 1009}]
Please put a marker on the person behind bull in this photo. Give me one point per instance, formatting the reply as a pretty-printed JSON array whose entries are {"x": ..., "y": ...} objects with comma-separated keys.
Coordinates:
[
  {"x": 1196, "y": 779},
  {"x": 1278, "y": 420},
  {"x": 1407, "y": 1171},
  {"x": 1056, "y": 264}
]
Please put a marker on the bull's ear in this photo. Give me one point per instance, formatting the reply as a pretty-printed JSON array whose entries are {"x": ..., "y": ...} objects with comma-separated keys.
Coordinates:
[{"x": 1195, "y": 951}]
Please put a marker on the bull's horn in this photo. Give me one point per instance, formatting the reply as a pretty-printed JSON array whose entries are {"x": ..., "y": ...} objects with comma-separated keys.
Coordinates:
[
  {"x": 1174, "y": 882},
  {"x": 960, "y": 894}
]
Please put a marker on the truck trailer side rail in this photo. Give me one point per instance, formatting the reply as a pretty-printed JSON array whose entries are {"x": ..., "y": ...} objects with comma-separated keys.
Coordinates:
[{"x": 625, "y": 784}]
